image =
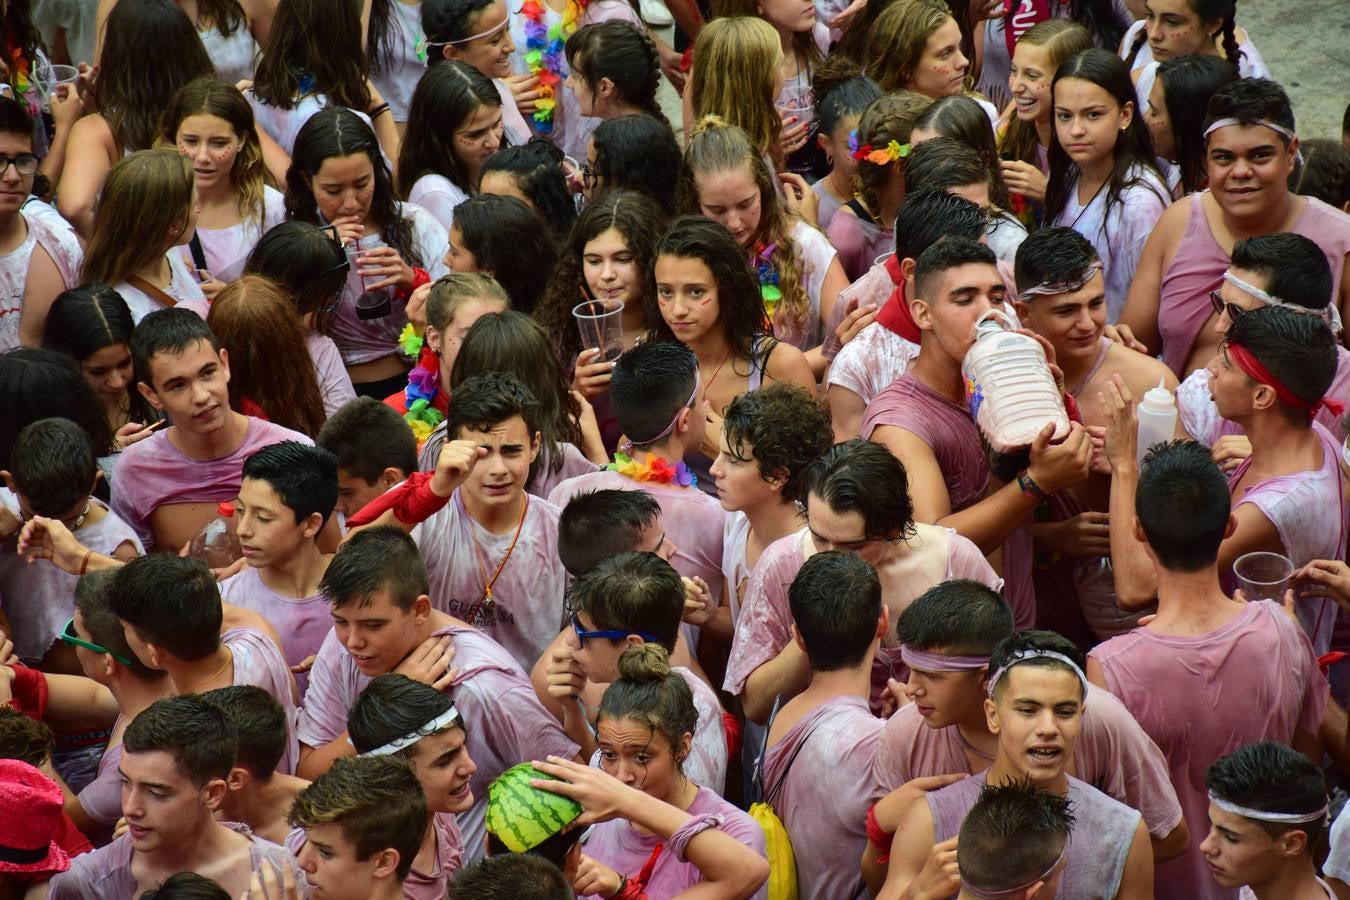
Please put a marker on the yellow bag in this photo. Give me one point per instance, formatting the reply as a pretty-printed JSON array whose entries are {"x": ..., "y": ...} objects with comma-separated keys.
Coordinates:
[{"x": 782, "y": 883}]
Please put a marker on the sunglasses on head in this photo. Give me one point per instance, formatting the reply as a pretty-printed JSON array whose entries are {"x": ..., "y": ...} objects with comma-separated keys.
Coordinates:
[
  {"x": 614, "y": 634},
  {"x": 69, "y": 636}
]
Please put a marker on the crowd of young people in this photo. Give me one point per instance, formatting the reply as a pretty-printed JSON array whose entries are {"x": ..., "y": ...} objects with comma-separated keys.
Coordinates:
[{"x": 463, "y": 449}]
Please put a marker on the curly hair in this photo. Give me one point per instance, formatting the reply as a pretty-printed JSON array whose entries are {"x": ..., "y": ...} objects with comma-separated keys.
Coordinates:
[
  {"x": 447, "y": 96},
  {"x": 735, "y": 70},
  {"x": 535, "y": 168},
  {"x": 318, "y": 40},
  {"x": 784, "y": 429}
]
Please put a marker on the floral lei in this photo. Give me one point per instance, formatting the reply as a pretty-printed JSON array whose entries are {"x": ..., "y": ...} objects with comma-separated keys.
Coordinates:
[
  {"x": 544, "y": 54},
  {"x": 762, "y": 262},
  {"x": 423, "y": 386},
  {"x": 654, "y": 470}
]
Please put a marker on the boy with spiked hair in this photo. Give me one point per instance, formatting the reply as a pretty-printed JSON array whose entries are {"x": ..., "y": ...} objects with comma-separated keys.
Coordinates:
[{"x": 1013, "y": 843}]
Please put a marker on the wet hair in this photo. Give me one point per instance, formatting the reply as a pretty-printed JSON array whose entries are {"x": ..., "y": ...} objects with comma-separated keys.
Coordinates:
[
  {"x": 553, "y": 850},
  {"x": 213, "y": 96},
  {"x": 1207, "y": 10},
  {"x": 1325, "y": 173},
  {"x": 172, "y": 602},
  {"x": 1182, "y": 503},
  {"x": 652, "y": 384},
  {"x": 53, "y": 466},
  {"x": 143, "y": 211},
  {"x": 381, "y": 558},
  {"x": 536, "y": 169},
  {"x": 260, "y": 329},
  {"x": 1061, "y": 39},
  {"x": 960, "y": 617},
  {"x": 836, "y": 601},
  {"x": 37, "y": 384},
  {"x": 639, "y": 153},
  {"x": 632, "y": 592},
  {"x": 1296, "y": 348},
  {"x": 741, "y": 311},
  {"x": 946, "y": 163},
  {"x": 376, "y": 802},
  {"x": 1252, "y": 101},
  {"x": 947, "y": 253},
  {"x": 784, "y": 429},
  {"x": 521, "y": 876},
  {"x": 863, "y": 477},
  {"x": 484, "y": 401},
  {"x": 841, "y": 90},
  {"x": 1024, "y": 641},
  {"x": 1268, "y": 776},
  {"x": 131, "y": 92},
  {"x": 1052, "y": 256},
  {"x": 194, "y": 731},
  {"x": 1187, "y": 83},
  {"x": 898, "y": 37},
  {"x": 964, "y": 120},
  {"x": 304, "y": 261},
  {"x": 186, "y": 886},
  {"x": 448, "y": 22},
  {"x": 1013, "y": 834},
  {"x": 890, "y": 117},
  {"x": 394, "y": 706},
  {"x": 447, "y": 97},
  {"x": 595, "y": 525},
  {"x": 1132, "y": 155},
  {"x": 336, "y": 131},
  {"x": 500, "y": 232},
  {"x": 316, "y": 43},
  {"x": 172, "y": 332},
  {"x": 303, "y": 476},
  {"x": 735, "y": 68},
  {"x": 23, "y": 738},
  {"x": 260, "y": 722},
  {"x": 647, "y": 691},
  {"x": 928, "y": 215},
  {"x": 1294, "y": 267},
  {"x": 639, "y": 221},
  {"x": 347, "y": 436},
  {"x": 622, "y": 53},
  {"x": 93, "y": 599},
  {"x": 14, "y": 118}
]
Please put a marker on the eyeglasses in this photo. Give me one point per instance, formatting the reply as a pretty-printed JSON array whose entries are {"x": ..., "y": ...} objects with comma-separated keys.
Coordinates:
[
  {"x": 1221, "y": 306},
  {"x": 588, "y": 176},
  {"x": 69, "y": 636},
  {"x": 25, "y": 164},
  {"x": 613, "y": 634}
]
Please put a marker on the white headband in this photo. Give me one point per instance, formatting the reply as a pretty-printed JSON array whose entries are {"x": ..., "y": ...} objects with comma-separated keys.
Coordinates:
[
  {"x": 1068, "y": 285},
  {"x": 1262, "y": 815},
  {"x": 999, "y": 893},
  {"x": 1271, "y": 300},
  {"x": 1026, "y": 655},
  {"x": 440, "y": 723},
  {"x": 1224, "y": 123},
  {"x": 424, "y": 46}
]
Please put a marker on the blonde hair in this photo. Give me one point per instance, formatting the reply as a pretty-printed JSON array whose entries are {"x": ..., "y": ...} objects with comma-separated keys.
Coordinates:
[
  {"x": 898, "y": 39},
  {"x": 803, "y": 42},
  {"x": 735, "y": 69},
  {"x": 716, "y": 146},
  {"x": 452, "y": 291},
  {"x": 1061, "y": 39},
  {"x": 146, "y": 204},
  {"x": 888, "y": 118}
]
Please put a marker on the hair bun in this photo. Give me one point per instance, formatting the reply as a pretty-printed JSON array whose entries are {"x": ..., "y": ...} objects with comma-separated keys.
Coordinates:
[{"x": 645, "y": 662}]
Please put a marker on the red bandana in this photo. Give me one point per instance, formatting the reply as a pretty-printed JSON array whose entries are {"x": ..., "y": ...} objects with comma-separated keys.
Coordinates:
[{"x": 894, "y": 314}]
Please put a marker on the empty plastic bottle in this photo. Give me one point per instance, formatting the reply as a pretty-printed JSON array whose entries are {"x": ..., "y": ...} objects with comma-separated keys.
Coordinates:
[
  {"x": 1157, "y": 412},
  {"x": 1009, "y": 388},
  {"x": 216, "y": 544}
]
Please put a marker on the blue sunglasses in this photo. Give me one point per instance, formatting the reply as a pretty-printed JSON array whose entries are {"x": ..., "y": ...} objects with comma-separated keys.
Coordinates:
[{"x": 613, "y": 634}]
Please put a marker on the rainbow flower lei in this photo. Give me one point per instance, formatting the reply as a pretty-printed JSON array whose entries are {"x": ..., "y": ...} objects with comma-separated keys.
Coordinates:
[
  {"x": 423, "y": 386},
  {"x": 654, "y": 470},
  {"x": 881, "y": 156},
  {"x": 544, "y": 54},
  {"x": 762, "y": 262}
]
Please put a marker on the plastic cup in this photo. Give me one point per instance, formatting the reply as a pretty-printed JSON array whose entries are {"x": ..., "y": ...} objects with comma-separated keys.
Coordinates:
[
  {"x": 1263, "y": 576},
  {"x": 49, "y": 76},
  {"x": 370, "y": 304},
  {"x": 601, "y": 325}
]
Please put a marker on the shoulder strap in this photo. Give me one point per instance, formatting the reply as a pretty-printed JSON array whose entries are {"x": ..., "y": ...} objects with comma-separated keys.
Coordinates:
[
  {"x": 860, "y": 211},
  {"x": 141, "y": 284},
  {"x": 769, "y": 795},
  {"x": 198, "y": 254}
]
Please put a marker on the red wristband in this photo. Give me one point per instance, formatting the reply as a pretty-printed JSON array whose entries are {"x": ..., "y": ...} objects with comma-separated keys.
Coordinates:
[
  {"x": 412, "y": 501},
  {"x": 877, "y": 836},
  {"x": 1071, "y": 407},
  {"x": 29, "y": 691},
  {"x": 420, "y": 277}
]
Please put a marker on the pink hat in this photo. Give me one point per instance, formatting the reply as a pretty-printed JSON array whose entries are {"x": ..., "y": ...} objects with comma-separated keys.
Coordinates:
[{"x": 30, "y": 817}]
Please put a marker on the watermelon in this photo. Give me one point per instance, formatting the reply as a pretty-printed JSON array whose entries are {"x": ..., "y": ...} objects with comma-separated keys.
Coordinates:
[{"x": 522, "y": 816}]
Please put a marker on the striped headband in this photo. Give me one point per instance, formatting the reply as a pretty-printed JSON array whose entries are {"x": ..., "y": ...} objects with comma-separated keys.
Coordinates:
[
  {"x": 1068, "y": 285},
  {"x": 1027, "y": 655},
  {"x": 1262, "y": 815},
  {"x": 436, "y": 725},
  {"x": 1224, "y": 123},
  {"x": 1271, "y": 300}
]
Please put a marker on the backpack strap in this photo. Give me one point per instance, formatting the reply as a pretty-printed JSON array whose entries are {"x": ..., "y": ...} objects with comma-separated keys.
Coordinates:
[
  {"x": 768, "y": 796},
  {"x": 198, "y": 254},
  {"x": 146, "y": 287}
]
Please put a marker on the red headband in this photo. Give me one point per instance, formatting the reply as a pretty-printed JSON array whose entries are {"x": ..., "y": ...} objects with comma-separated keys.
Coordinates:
[{"x": 1252, "y": 366}]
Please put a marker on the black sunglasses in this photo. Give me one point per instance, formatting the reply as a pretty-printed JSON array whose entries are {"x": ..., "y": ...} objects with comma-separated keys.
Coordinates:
[
  {"x": 1221, "y": 306},
  {"x": 344, "y": 267}
]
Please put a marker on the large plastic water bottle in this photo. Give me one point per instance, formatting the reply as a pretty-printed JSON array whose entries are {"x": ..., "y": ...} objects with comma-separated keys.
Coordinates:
[
  {"x": 216, "y": 544},
  {"x": 1157, "y": 414},
  {"x": 1009, "y": 388}
]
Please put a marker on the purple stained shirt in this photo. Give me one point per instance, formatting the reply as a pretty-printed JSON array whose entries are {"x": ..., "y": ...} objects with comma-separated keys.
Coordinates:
[
  {"x": 504, "y": 720},
  {"x": 546, "y": 478},
  {"x": 820, "y": 777},
  {"x": 302, "y": 622},
  {"x": 618, "y": 844},
  {"x": 154, "y": 473},
  {"x": 418, "y": 885},
  {"x": 1252, "y": 679},
  {"x": 526, "y": 611},
  {"x": 1113, "y": 754},
  {"x": 101, "y": 799},
  {"x": 258, "y": 662},
  {"x": 335, "y": 385},
  {"x": 859, "y": 242}
]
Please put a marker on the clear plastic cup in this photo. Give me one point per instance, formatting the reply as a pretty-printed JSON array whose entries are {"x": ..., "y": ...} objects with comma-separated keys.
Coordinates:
[
  {"x": 369, "y": 304},
  {"x": 49, "y": 76},
  {"x": 1263, "y": 575},
  {"x": 600, "y": 323}
]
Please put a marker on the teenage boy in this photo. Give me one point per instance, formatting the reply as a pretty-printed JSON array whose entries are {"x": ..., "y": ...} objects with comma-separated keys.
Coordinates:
[
  {"x": 947, "y": 636},
  {"x": 620, "y": 602},
  {"x": 170, "y": 609},
  {"x": 285, "y": 499},
  {"x": 1236, "y": 672},
  {"x": 375, "y": 450},
  {"x": 1013, "y": 842},
  {"x": 817, "y": 768},
  {"x": 923, "y": 419},
  {"x": 37, "y": 261},
  {"x": 169, "y": 484},
  {"x": 599, "y": 524},
  {"x": 176, "y": 758},
  {"x": 384, "y": 622},
  {"x": 1034, "y": 707},
  {"x": 54, "y": 474},
  {"x": 1252, "y": 150},
  {"x": 1061, "y": 287},
  {"x": 655, "y": 390},
  {"x": 363, "y": 823},
  {"x": 521, "y": 876},
  {"x": 491, "y": 549},
  {"x": 1267, "y": 813},
  {"x": 256, "y": 793},
  {"x": 858, "y": 501}
]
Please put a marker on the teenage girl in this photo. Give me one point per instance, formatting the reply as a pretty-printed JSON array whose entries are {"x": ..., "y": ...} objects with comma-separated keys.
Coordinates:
[
  {"x": 915, "y": 45},
  {"x": 505, "y": 239},
  {"x": 455, "y": 125},
  {"x": 228, "y": 29},
  {"x": 635, "y": 152},
  {"x": 1175, "y": 116},
  {"x": 1172, "y": 28},
  {"x": 533, "y": 174},
  {"x": 842, "y": 93},
  {"x": 475, "y": 32},
  {"x": 1103, "y": 181},
  {"x": 736, "y": 76},
  {"x": 211, "y": 124},
  {"x": 1104, "y": 20},
  {"x": 615, "y": 71},
  {"x": 795, "y": 266}
]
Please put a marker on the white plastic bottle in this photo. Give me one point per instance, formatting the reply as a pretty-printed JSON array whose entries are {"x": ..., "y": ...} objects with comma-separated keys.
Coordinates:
[
  {"x": 1009, "y": 388},
  {"x": 216, "y": 544},
  {"x": 1157, "y": 414}
]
